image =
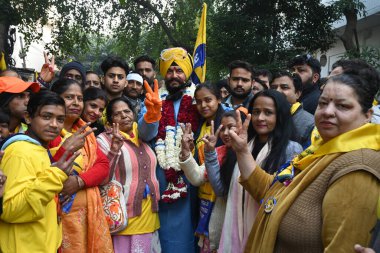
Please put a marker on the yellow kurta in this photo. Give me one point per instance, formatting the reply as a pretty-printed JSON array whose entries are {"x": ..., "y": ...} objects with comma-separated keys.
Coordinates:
[
  {"x": 29, "y": 220},
  {"x": 147, "y": 222}
]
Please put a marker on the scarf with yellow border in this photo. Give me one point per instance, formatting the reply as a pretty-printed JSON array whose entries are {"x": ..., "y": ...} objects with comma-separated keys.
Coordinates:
[
  {"x": 294, "y": 107},
  {"x": 97, "y": 239},
  {"x": 366, "y": 136},
  {"x": 133, "y": 136}
]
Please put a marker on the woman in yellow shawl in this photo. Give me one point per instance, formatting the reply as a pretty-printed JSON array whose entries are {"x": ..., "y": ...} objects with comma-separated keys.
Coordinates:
[
  {"x": 326, "y": 199},
  {"x": 84, "y": 225}
]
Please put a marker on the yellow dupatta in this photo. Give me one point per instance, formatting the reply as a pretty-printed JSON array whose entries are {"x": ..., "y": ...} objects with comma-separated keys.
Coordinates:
[
  {"x": 205, "y": 191},
  {"x": 294, "y": 107},
  {"x": 366, "y": 136},
  {"x": 134, "y": 136}
]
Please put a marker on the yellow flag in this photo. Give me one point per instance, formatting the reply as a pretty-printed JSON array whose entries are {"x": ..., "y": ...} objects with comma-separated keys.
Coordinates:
[
  {"x": 3, "y": 65},
  {"x": 199, "y": 54}
]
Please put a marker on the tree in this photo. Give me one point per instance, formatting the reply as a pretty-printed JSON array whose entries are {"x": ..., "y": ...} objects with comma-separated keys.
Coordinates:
[
  {"x": 350, "y": 9},
  {"x": 265, "y": 33},
  {"x": 269, "y": 32}
]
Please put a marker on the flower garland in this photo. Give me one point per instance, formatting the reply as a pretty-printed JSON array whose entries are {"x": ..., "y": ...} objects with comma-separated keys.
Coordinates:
[{"x": 168, "y": 146}]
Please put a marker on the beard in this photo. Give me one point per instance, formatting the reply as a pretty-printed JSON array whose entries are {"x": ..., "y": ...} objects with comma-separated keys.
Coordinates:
[
  {"x": 175, "y": 89},
  {"x": 308, "y": 84},
  {"x": 240, "y": 95},
  {"x": 175, "y": 92}
]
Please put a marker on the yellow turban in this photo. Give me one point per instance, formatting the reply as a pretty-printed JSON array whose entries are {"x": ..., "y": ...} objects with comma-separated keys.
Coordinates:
[{"x": 180, "y": 57}]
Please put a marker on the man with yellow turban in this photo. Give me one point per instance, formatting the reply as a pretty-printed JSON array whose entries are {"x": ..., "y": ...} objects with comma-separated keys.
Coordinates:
[
  {"x": 177, "y": 213},
  {"x": 176, "y": 66}
]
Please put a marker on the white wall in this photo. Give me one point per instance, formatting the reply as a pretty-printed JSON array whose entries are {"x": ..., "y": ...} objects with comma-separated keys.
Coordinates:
[{"x": 34, "y": 56}]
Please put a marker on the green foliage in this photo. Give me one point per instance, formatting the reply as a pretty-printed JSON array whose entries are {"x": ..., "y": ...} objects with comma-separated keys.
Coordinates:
[
  {"x": 369, "y": 54},
  {"x": 342, "y": 6},
  {"x": 269, "y": 32},
  {"x": 265, "y": 33}
]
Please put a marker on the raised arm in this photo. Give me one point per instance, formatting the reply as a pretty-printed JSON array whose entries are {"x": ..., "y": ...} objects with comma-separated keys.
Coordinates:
[
  {"x": 211, "y": 161},
  {"x": 150, "y": 115},
  {"x": 213, "y": 173},
  {"x": 239, "y": 143}
]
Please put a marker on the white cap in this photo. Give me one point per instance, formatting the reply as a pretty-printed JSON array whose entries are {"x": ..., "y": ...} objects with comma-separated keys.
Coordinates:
[{"x": 135, "y": 77}]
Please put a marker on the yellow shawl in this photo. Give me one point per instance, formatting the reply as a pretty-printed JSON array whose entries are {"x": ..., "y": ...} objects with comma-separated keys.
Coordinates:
[{"x": 310, "y": 166}]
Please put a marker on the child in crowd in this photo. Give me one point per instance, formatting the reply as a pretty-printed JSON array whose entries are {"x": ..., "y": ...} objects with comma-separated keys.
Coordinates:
[
  {"x": 33, "y": 181},
  {"x": 208, "y": 102},
  {"x": 4, "y": 125}
]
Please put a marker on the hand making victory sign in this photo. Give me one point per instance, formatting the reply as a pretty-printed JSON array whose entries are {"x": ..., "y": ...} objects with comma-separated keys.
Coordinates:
[
  {"x": 117, "y": 139},
  {"x": 76, "y": 140},
  {"x": 187, "y": 141},
  {"x": 47, "y": 70},
  {"x": 152, "y": 102},
  {"x": 211, "y": 139}
]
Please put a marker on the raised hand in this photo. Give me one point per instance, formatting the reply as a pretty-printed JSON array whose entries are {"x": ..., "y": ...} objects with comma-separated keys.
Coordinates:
[
  {"x": 76, "y": 140},
  {"x": 240, "y": 138},
  {"x": 64, "y": 163},
  {"x": 47, "y": 70},
  {"x": 117, "y": 139},
  {"x": 187, "y": 142},
  {"x": 211, "y": 139},
  {"x": 152, "y": 102}
]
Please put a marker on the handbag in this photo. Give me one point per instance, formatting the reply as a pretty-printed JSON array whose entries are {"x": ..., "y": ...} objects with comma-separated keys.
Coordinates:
[{"x": 114, "y": 206}]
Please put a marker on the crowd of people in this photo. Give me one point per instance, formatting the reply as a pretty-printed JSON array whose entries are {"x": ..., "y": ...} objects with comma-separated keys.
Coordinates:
[{"x": 261, "y": 161}]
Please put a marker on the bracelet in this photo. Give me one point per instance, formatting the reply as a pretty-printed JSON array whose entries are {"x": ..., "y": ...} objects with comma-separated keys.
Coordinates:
[
  {"x": 42, "y": 82},
  {"x": 80, "y": 182}
]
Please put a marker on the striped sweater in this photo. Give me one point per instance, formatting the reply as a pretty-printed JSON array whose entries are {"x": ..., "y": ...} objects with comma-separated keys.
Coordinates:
[{"x": 135, "y": 168}]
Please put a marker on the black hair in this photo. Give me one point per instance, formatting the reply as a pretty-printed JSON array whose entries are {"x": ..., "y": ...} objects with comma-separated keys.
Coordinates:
[
  {"x": 222, "y": 84},
  {"x": 307, "y": 59},
  {"x": 62, "y": 85},
  {"x": 91, "y": 72},
  {"x": 9, "y": 70},
  {"x": 7, "y": 97},
  {"x": 144, "y": 58},
  {"x": 211, "y": 87},
  {"x": 218, "y": 114},
  {"x": 297, "y": 81},
  {"x": 280, "y": 136},
  {"x": 41, "y": 99},
  {"x": 365, "y": 85},
  {"x": 109, "y": 109},
  {"x": 4, "y": 117},
  {"x": 241, "y": 64},
  {"x": 261, "y": 82},
  {"x": 93, "y": 93},
  {"x": 264, "y": 72},
  {"x": 351, "y": 65},
  {"x": 227, "y": 168},
  {"x": 114, "y": 61}
]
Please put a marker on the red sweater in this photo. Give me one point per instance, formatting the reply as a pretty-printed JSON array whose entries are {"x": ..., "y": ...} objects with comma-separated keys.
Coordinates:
[{"x": 95, "y": 175}]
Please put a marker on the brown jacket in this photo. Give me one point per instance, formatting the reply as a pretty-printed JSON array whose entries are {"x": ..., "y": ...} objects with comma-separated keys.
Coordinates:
[{"x": 329, "y": 206}]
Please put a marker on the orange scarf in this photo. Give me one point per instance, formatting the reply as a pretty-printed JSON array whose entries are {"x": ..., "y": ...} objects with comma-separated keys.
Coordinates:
[{"x": 98, "y": 240}]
